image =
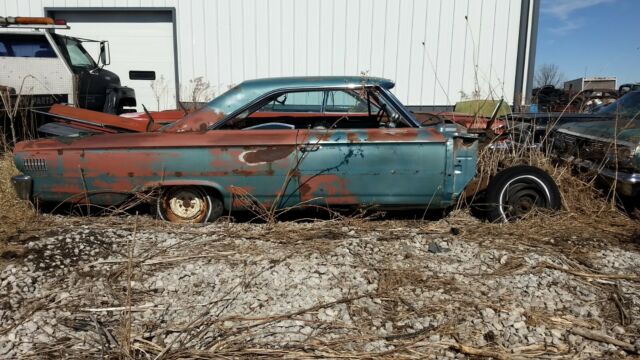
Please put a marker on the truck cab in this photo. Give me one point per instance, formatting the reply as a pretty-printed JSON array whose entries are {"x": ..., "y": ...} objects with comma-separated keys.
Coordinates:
[{"x": 53, "y": 68}]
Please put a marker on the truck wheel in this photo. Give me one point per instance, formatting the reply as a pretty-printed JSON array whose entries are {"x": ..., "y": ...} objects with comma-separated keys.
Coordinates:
[
  {"x": 188, "y": 204},
  {"x": 516, "y": 191}
]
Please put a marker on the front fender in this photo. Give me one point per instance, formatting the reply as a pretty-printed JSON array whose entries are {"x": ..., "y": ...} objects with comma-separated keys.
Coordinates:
[{"x": 117, "y": 97}]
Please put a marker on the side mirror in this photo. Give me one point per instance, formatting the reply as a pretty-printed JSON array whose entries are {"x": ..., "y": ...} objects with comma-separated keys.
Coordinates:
[{"x": 105, "y": 55}]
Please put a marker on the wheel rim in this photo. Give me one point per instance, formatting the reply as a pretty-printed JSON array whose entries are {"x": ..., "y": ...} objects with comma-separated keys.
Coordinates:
[
  {"x": 185, "y": 205},
  {"x": 521, "y": 195}
]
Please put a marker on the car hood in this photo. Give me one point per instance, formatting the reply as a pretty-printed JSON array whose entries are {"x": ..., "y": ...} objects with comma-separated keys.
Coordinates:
[
  {"x": 555, "y": 117},
  {"x": 627, "y": 130}
]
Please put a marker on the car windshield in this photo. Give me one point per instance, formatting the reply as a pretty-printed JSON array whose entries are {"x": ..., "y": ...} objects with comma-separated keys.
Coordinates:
[
  {"x": 628, "y": 105},
  {"x": 214, "y": 111},
  {"x": 75, "y": 53}
]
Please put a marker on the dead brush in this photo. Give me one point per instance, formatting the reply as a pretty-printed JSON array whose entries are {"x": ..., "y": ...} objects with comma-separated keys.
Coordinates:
[
  {"x": 579, "y": 192},
  {"x": 18, "y": 121},
  {"x": 587, "y": 217},
  {"x": 15, "y": 214},
  {"x": 82, "y": 205}
]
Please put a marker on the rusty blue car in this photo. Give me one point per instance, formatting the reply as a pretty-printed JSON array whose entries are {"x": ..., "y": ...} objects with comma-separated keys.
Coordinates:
[{"x": 278, "y": 143}]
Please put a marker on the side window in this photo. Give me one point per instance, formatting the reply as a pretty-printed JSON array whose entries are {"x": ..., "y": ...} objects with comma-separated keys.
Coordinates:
[
  {"x": 319, "y": 110},
  {"x": 344, "y": 102},
  {"x": 308, "y": 101},
  {"x": 26, "y": 46}
]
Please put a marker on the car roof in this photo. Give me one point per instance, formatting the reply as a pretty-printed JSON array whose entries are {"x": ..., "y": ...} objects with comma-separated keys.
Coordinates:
[
  {"x": 267, "y": 84},
  {"x": 251, "y": 90}
]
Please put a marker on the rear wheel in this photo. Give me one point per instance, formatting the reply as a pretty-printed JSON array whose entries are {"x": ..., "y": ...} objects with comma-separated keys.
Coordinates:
[
  {"x": 188, "y": 204},
  {"x": 516, "y": 191}
]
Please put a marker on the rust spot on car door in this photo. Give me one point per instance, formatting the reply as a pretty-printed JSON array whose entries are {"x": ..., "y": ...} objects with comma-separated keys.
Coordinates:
[{"x": 266, "y": 155}]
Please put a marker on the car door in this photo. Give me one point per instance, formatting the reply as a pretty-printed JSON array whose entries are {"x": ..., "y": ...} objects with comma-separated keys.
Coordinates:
[
  {"x": 259, "y": 148},
  {"x": 254, "y": 165},
  {"x": 371, "y": 166},
  {"x": 361, "y": 163}
]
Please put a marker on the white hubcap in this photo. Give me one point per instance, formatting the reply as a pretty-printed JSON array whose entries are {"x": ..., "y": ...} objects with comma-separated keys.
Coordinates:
[{"x": 186, "y": 204}]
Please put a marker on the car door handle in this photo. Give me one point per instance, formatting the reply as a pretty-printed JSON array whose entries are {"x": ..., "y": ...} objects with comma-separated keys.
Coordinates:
[{"x": 309, "y": 147}]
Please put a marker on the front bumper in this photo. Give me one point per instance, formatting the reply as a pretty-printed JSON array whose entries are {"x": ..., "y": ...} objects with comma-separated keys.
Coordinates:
[
  {"x": 626, "y": 183},
  {"x": 23, "y": 185}
]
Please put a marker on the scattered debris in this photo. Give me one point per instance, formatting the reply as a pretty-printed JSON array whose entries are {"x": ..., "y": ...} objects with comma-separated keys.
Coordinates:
[{"x": 435, "y": 248}]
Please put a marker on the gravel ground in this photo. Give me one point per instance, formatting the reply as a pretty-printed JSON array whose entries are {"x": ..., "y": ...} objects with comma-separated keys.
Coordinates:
[{"x": 454, "y": 288}]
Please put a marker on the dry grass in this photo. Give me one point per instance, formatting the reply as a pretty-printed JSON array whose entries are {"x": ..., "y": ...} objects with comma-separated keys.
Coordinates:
[
  {"x": 15, "y": 214},
  {"x": 531, "y": 235},
  {"x": 579, "y": 192},
  {"x": 589, "y": 213},
  {"x": 563, "y": 236}
]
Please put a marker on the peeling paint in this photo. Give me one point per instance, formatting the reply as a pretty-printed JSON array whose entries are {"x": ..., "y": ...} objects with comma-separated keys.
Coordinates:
[{"x": 408, "y": 166}]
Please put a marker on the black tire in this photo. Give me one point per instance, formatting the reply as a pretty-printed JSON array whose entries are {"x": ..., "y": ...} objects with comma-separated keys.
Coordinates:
[
  {"x": 516, "y": 191},
  {"x": 188, "y": 204}
]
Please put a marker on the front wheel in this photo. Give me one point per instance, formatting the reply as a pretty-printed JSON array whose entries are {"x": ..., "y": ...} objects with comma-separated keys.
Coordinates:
[
  {"x": 188, "y": 204},
  {"x": 516, "y": 191}
]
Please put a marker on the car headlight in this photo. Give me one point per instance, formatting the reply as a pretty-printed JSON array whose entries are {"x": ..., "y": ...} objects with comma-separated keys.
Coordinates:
[
  {"x": 626, "y": 157},
  {"x": 636, "y": 159}
]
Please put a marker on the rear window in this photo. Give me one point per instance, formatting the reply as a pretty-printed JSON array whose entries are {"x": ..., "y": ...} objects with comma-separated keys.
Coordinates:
[{"x": 25, "y": 46}]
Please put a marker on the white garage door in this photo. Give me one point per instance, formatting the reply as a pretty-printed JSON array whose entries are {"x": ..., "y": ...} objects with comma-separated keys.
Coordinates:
[{"x": 139, "y": 41}]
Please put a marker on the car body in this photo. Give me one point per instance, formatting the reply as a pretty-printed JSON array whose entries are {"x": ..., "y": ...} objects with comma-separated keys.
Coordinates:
[
  {"x": 533, "y": 128},
  {"x": 625, "y": 88},
  {"x": 607, "y": 144},
  {"x": 280, "y": 142}
]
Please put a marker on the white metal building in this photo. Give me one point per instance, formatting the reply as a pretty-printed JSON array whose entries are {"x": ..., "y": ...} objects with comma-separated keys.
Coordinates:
[{"x": 437, "y": 51}]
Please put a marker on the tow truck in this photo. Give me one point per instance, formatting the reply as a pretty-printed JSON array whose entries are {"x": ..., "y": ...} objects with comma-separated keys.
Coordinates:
[{"x": 49, "y": 68}]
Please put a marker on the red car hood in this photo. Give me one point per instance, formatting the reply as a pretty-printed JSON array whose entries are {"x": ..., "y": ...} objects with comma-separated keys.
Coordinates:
[
  {"x": 473, "y": 123},
  {"x": 96, "y": 121}
]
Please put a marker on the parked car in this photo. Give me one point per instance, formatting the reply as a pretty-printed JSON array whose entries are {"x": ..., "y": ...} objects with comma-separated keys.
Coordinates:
[
  {"x": 625, "y": 88},
  {"x": 608, "y": 145},
  {"x": 533, "y": 128},
  {"x": 329, "y": 141}
]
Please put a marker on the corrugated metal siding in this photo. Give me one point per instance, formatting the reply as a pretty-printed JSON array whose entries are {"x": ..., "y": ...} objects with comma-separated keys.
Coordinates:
[{"x": 437, "y": 51}]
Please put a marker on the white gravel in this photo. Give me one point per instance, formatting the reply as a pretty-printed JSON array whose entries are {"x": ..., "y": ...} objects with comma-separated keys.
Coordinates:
[{"x": 320, "y": 289}]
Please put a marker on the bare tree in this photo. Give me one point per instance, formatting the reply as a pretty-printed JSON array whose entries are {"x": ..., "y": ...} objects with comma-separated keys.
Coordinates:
[{"x": 548, "y": 74}]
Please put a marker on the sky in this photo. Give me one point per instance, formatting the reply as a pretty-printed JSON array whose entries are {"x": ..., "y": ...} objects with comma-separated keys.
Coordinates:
[{"x": 590, "y": 37}]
